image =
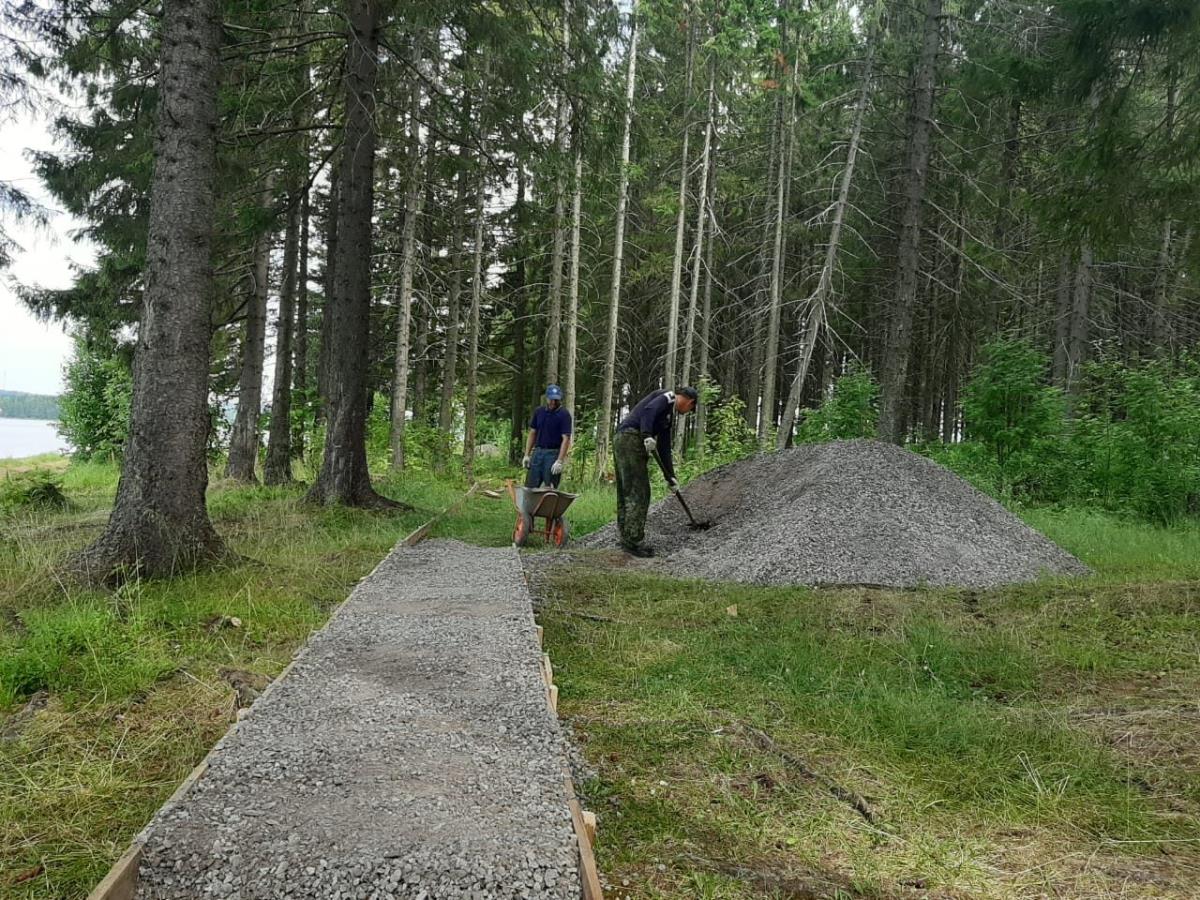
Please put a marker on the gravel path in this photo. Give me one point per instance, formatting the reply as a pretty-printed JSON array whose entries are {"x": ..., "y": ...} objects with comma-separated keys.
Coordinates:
[
  {"x": 409, "y": 753},
  {"x": 848, "y": 512}
]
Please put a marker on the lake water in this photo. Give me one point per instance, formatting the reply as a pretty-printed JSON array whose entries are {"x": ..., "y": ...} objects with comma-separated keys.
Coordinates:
[{"x": 28, "y": 437}]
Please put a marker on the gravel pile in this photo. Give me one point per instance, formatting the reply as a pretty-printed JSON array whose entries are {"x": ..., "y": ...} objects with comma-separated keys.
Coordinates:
[
  {"x": 410, "y": 752},
  {"x": 848, "y": 512}
]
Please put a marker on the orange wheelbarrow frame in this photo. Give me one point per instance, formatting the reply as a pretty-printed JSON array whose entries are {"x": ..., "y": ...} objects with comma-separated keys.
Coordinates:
[{"x": 548, "y": 504}]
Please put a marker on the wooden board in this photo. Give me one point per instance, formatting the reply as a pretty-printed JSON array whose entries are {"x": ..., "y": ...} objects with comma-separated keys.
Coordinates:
[{"x": 419, "y": 534}]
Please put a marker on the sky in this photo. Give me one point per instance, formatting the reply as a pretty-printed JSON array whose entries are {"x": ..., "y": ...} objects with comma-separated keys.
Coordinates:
[{"x": 32, "y": 353}]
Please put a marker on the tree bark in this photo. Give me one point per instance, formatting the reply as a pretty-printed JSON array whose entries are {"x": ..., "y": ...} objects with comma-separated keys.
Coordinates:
[
  {"x": 706, "y": 322},
  {"x": 604, "y": 423},
  {"x": 519, "y": 410},
  {"x": 453, "y": 315},
  {"x": 817, "y": 315},
  {"x": 1081, "y": 299},
  {"x": 1062, "y": 321},
  {"x": 344, "y": 477},
  {"x": 670, "y": 365},
  {"x": 897, "y": 351},
  {"x": 244, "y": 436},
  {"x": 477, "y": 276},
  {"x": 554, "y": 324},
  {"x": 573, "y": 279},
  {"x": 329, "y": 288},
  {"x": 278, "y": 466},
  {"x": 159, "y": 524},
  {"x": 413, "y": 196},
  {"x": 771, "y": 349},
  {"x": 701, "y": 218},
  {"x": 300, "y": 394}
]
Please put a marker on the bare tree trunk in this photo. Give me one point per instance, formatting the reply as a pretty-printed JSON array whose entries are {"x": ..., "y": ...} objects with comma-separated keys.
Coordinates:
[
  {"x": 243, "y": 437},
  {"x": 344, "y": 477},
  {"x": 670, "y": 367},
  {"x": 1081, "y": 299},
  {"x": 477, "y": 275},
  {"x": 519, "y": 409},
  {"x": 604, "y": 424},
  {"x": 278, "y": 466},
  {"x": 329, "y": 288},
  {"x": 453, "y": 315},
  {"x": 701, "y": 218},
  {"x": 899, "y": 334},
  {"x": 1062, "y": 321},
  {"x": 771, "y": 349},
  {"x": 159, "y": 524},
  {"x": 573, "y": 283},
  {"x": 413, "y": 196},
  {"x": 300, "y": 368},
  {"x": 817, "y": 315},
  {"x": 554, "y": 324},
  {"x": 706, "y": 315}
]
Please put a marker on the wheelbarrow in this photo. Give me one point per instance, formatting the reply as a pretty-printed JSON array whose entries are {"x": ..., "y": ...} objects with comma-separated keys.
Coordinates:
[{"x": 532, "y": 504}]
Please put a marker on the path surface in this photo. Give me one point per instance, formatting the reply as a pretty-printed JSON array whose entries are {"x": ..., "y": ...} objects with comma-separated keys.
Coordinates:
[{"x": 410, "y": 752}]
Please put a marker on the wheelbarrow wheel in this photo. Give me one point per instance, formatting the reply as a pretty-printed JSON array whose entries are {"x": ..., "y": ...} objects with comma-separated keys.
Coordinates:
[
  {"x": 560, "y": 532},
  {"x": 522, "y": 529}
]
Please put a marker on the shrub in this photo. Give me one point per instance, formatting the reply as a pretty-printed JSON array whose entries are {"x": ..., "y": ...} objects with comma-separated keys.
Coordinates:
[
  {"x": 850, "y": 412},
  {"x": 1008, "y": 407},
  {"x": 94, "y": 409},
  {"x": 35, "y": 490}
]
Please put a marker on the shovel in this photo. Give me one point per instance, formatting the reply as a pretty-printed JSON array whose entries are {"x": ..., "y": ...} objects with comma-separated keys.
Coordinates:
[{"x": 702, "y": 525}]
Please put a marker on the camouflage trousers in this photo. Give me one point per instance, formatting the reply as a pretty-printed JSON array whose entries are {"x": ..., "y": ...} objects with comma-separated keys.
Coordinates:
[{"x": 633, "y": 487}]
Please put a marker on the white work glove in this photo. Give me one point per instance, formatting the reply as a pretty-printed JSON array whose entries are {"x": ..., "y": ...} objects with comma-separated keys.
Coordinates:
[
  {"x": 651, "y": 445},
  {"x": 673, "y": 484},
  {"x": 556, "y": 468},
  {"x": 525, "y": 461}
]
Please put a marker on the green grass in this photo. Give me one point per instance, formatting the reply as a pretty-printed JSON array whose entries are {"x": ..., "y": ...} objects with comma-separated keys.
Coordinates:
[
  {"x": 999, "y": 736},
  {"x": 985, "y": 729},
  {"x": 132, "y": 678}
]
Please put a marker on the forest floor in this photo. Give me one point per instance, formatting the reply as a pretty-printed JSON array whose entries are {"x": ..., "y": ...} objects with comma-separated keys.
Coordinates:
[{"x": 1033, "y": 741}]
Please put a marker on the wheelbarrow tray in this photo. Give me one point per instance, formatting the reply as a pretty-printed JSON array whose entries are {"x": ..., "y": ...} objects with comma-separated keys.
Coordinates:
[{"x": 541, "y": 503}]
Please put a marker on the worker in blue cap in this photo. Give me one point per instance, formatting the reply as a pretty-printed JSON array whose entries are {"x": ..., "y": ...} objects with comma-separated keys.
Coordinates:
[{"x": 548, "y": 442}]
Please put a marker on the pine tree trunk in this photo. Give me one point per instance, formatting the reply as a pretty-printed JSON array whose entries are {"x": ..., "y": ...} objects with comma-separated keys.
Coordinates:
[
  {"x": 894, "y": 376},
  {"x": 1081, "y": 299},
  {"x": 477, "y": 276},
  {"x": 816, "y": 306},
  {"x": 1062, "y": 321},
  {"x": 771, "y": 347},
  {"x": 573, "y": 281},
  {"x": 159, "y": 524},
  {"x": 558, "y": 245},
  {"x": 701, "y": 217},
  {"x": 300, "y": 395},
  {"x": 706, "y": 321},
  {"x": 413, "y": 196},
  {"x": 519, "y": 409},
  {"x": 278, "y": 466},
  {"x": 604, "y": 423},
  {"x": 453, "y": 316},
  {"x": 670, "y": 365},
  {"x": 244, "y": 436},
  {"x": 329, "y": 288},
  {"x": 344, "y": 477}
]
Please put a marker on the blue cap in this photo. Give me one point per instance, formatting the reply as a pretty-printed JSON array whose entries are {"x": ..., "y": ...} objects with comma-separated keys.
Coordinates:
[{"x": 553, "y": 392}]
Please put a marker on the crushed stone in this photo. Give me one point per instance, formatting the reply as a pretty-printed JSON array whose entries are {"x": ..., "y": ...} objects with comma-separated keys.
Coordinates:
[
  {"x": 845, "y": 512},
  {"x": 409, "y": 753}
]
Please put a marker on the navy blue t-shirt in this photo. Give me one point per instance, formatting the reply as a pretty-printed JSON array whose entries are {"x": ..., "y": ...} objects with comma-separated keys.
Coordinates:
[{"x": 550, "y": 425}]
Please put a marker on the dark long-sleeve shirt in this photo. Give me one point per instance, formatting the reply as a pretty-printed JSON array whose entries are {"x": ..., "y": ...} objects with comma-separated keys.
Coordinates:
[{"x": 653, "y": 417}]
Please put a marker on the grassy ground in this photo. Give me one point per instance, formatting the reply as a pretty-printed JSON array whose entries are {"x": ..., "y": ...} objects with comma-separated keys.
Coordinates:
[
  {"x": 1001, "y": 742},
  {"x": 107, "y": 700},
  {"x": 1029, "y": 742}
]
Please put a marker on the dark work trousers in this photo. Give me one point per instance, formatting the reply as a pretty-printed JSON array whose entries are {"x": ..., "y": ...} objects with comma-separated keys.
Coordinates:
[
  {"x": 539, "y": 469},
  {"x": 633, "y": 487}
]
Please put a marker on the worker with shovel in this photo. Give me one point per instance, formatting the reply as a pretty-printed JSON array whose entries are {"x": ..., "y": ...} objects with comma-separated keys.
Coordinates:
[
  {"x": 550, "y": 431},
  {"x": 644, "y": 433}
]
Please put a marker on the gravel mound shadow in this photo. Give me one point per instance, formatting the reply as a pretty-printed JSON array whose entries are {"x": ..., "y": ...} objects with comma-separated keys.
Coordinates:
[{"x": 846, "y": 512}]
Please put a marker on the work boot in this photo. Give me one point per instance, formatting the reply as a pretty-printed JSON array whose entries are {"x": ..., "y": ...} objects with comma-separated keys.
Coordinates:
[{"x": 641, "y": 551}]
